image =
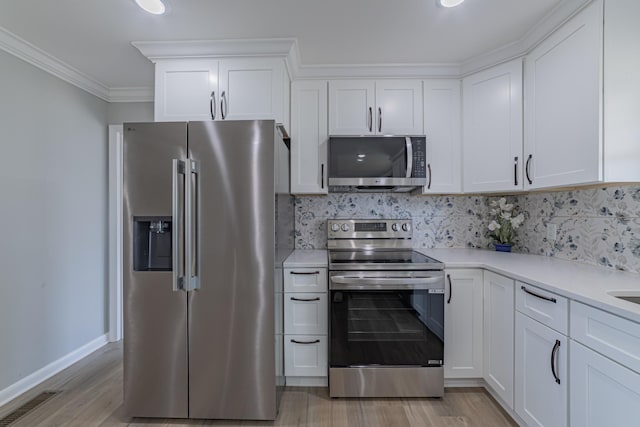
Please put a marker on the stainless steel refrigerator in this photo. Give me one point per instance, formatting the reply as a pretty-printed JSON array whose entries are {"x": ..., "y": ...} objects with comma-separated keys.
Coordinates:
[{"x": 208, "y": 221}]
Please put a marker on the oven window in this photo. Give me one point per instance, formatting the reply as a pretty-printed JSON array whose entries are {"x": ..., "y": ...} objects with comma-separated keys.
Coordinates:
[
  {"x": 386, "y": 328},
  {"x": 367, "y": 157}
]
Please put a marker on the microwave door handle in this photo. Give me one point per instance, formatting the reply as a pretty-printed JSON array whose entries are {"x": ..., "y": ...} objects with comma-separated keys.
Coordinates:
[{"x": 409, "y": 156}]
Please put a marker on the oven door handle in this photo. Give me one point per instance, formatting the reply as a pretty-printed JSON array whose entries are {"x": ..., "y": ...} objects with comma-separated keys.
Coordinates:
[{"x": 381, "y": 283}]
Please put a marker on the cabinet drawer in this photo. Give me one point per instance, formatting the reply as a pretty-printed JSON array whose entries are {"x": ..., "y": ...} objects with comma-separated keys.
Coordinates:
[
  {"x": 305, "y": 356},
  {"x": 543, "y": 306},
  {"x": 606, "y": 333},
  {"x": 305, "y": 314},
  {"x": 305, "y": 280}
]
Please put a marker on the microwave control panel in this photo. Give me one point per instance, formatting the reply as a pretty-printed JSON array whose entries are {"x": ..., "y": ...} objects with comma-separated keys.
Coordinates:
[{"x": 419, "y": 147}]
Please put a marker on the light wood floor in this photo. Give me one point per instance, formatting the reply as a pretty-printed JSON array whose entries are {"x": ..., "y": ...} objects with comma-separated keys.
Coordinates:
[{"x": 91, "y": 395}]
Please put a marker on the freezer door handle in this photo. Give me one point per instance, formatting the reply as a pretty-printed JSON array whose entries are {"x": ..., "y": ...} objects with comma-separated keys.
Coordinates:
[
  {"x": 192, "y": 225},
  {"x": 176, "y": 228}
]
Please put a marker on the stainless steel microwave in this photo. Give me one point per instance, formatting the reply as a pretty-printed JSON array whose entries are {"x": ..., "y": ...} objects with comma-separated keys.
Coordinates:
[{"x": 376, "y": 163}]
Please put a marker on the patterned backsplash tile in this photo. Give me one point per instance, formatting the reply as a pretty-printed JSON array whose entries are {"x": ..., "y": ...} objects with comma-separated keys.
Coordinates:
[{"x": 596, "y": 226}]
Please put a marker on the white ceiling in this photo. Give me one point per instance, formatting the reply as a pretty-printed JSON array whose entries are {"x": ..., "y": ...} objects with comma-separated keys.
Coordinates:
[{"x": 95, "y": 36}]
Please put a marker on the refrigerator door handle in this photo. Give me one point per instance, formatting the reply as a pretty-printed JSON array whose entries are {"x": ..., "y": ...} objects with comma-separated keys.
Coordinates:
[
  {"x": 192, "y": 226},
  {"x": 176, "y": 229}
]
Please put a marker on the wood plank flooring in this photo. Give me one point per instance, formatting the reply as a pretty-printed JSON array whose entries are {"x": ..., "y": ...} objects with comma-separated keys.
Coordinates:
[{"x": 91, "y": 395}]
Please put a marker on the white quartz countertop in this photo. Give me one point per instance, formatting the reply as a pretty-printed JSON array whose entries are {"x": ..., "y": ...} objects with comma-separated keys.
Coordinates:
[
  {"x": 581, "y": 282},
  {"x": 307, "y": 258}
]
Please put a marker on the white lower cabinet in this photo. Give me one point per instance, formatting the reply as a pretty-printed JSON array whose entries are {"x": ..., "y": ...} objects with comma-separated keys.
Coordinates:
[
  {"x": 305, "y": 356},
  {"x": 498, "y": 335},
  {"x": 541, "y": 373},
  {"x": 603, "y": 393},
  {"x": 463, "y": 323},
  {"x": 305, "y": 326}
]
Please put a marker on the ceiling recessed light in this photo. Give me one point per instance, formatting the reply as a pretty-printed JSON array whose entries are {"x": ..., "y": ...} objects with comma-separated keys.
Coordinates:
[
  {"x": 152, "y": 6},
  {"x": 449, "y": 3},
  {"x": 362, "y": 155}
]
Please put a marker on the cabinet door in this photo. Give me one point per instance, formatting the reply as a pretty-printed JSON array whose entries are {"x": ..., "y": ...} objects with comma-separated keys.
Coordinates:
[
  {"x": 251, "y": 89},
  {"x": 540, "y": 394},
  {"x": 398, "y": 107},
  {"x": 463, "y": 324},
  {"x": 351, "y": 104},
  {"x": 563, "y": 85},
  {"x": 185, "y": 89},
  {"x": 492, "y": 132},
  {"x": 305, "y": 355},
  {"x": 305, "y": 314},
  {"x": 442, "y": 126},
  {"x": 603, "y": 393},
  {"x": 309, "y": 137},
  {"x": 499, "y": 312}
]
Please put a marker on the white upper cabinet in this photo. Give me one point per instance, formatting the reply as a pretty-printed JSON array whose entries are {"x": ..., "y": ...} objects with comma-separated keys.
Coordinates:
[
  {"x": 582, "y": 99},
  {"x": 368, "y": 107},
  {"x": 309, "y": 137},
  {"x": 492, "y": 130},
  {"x": 186, "y": 89},
  {"x": 442, "y": 126},
  {"x": 399, "y": 107},
  {"x": 563, "y": 75},
  {"x": 225, "y": 89},
  {"x": 351, "y": 109},
  {"x": 251, "y": 89}
]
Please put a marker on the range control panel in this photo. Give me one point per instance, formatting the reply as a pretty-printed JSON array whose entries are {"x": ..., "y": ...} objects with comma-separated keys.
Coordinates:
[{"x": 369, "y": 228}]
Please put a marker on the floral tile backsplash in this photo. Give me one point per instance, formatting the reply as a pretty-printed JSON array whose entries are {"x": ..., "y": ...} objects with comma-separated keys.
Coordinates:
[{"x": 596, "y": 226}]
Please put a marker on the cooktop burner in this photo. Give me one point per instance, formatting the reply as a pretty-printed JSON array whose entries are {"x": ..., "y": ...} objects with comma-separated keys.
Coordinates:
[{"x": 381, "y": 260}]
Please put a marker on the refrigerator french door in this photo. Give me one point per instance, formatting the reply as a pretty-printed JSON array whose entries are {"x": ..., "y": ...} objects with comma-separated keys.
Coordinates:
[{"x": 199, "y": 215}]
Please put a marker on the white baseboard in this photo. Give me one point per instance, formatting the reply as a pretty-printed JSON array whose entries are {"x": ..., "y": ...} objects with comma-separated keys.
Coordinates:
[
  {"x": 307, "y": 382},
  {"x": 28, "y": 382},
  {"x": 463, "y": 382}
]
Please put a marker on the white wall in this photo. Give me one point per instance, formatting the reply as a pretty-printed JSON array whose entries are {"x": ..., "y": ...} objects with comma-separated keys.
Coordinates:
[
  {"x": 53, "y": 211},
  {"x": 123, "y": 112}
]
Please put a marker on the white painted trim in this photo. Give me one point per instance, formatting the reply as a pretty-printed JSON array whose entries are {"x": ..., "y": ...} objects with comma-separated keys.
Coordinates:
[
  {"x": 551, "y": 22},
  {"x": 464, "y": 382},
  {"x": 131, "y": 94},
  {"x": 378, "y": 71},
  {"x": 28, "y": 382},
  {"x": 288, "y": 49},
  {"x": 155, "y": 50},
  {"x": 116, "y": 142},
  {"x": 307, "y": 381},
  {"x": 24, "y": 50}
]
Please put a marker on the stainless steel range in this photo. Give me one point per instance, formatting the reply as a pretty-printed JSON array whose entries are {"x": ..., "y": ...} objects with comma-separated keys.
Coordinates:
[{"x": 386, "y": 312}]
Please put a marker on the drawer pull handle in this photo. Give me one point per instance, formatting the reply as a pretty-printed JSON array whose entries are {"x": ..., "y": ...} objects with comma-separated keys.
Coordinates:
[
  {"x": 553, "y": 300},
  {"x": 553, "y": 361},
  {"x": 304, "y": 273},
  {"x": 305, "y": 342},
  {"x": 305, "y": 300}
]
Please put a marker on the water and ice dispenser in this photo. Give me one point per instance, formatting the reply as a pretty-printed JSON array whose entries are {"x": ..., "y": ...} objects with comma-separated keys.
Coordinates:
[{"x": 152, "y": 243}]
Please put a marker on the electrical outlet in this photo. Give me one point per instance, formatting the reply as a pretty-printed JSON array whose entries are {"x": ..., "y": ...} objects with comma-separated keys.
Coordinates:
[{"x": 552, "y": 231}]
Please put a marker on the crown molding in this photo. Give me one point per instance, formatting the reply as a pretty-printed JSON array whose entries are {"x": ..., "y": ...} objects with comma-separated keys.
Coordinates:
[
  {"x": 543, "y": 29},
  {"x": 155, "y": 50},
  {"x": 286, "y": 48},
  {"x": 131, "y": 94},
  {"x": 444, "y": 70},
  {"x": 24, "y": 50}
]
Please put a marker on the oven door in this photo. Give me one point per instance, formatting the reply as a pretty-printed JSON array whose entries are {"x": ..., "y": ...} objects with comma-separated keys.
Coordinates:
[{"x": 387, "y": 319}]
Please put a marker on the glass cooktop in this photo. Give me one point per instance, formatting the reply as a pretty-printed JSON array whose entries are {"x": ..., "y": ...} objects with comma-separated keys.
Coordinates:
[{"x": 382, "y": 258}]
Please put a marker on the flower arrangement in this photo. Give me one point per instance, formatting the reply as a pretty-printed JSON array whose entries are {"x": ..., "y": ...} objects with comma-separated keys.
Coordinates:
[{"x": 505, "y": 223}]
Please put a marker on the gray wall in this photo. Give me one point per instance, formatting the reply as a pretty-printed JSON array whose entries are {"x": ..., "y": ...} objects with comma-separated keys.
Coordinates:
[
  {"x": 53, "y": 211},
  {"x": 122, "y": 112},
  {"x": 599, "y": 226}
]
